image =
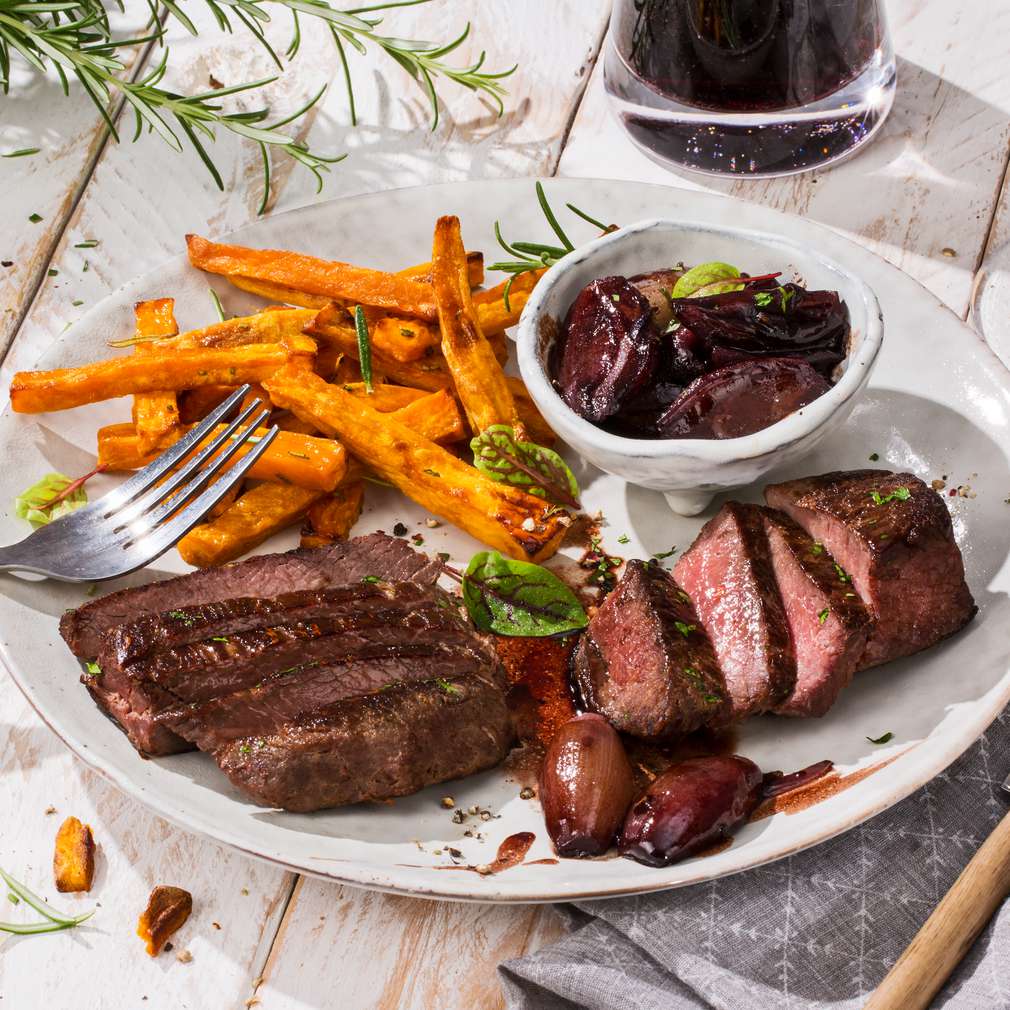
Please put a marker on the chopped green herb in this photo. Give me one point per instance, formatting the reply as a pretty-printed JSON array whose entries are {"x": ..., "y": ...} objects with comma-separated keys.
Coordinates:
[
  {"x": 818, "y": 548},
  {"x": 34, "y": 218},
  {"x": 624, "y": 539},
  {"x": 446, "y": 686},
  {"x": 89, "y": 243},
  {"x": 616, "y": 297},
  {"x": 843, "y": 575},
  {"x": 21, "y": 152},
  {"x": 13, "y": 898},
  {"x": 404, "y": 332},
  {"x": 763, "y": 299},
  {"x": 297, "y": 455},
  {"x": 665, "y": 554},
  {"x": 823, "y": 615},
  {"x": 77, "y": 302},
  {"x": 685, "y": 629},
  {"x": 431, "y": 473},
  {"x": 364, "y": 348},
  {"x": 86, "y": 267},
  {"x": 94, "y": 670},
  {"x": 244, "y": 749},
  {"x": 370, "y": 579},
  {"x": 874, "y": 456},
  {"x": 219, "y": 638},
  {"x": 52, "y": 272},
  {"x": 442, "y": 556},
  {"x": 898, "y": 494},
  {"x": 886, "y": 738},
  {"x": 181, "y": 615}
]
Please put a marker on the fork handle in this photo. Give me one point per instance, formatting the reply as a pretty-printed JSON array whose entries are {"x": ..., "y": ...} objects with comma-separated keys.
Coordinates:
[{"x": 948, "y": 934}]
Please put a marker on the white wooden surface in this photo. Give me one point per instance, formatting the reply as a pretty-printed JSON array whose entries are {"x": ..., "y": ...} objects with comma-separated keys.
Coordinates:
[{"x": 926, "y": 195}]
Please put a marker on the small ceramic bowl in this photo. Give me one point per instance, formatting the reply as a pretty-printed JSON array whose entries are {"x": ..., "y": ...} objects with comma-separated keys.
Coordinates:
[{"x": 690, "y": 471}]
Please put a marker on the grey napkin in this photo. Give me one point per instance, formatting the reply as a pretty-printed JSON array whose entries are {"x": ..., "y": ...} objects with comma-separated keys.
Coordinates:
[{"x": 813, "y": 931}]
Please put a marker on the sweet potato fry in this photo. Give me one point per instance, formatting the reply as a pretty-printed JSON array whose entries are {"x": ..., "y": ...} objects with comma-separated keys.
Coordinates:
[
  {"x": 537, "y": 429},
  {"x": 74, "y": 856},
  {"x": 492, "y": 313},
  {"x": 480, "y": 382},
  {"x": 167, "y": 909},
  {"x": 269, "y": 326},
  {"x": 155, "y": 415},
  {"x": 317, "y": 464},
  {"x": 385, "y": 397},
  {"x": 403, "y": 339},
  {"x": 352, "y": 284},
  {"x": 436, "y": 417},
  {"x": 258, "y": 514},
  {"x": 516, "y": 523},
  {"x": 62, "y": 388},
  {"x": 330, "y": 519}
]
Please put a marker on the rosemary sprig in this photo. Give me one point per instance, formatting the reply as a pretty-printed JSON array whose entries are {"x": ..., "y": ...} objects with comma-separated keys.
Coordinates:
[
  {"x": 531, "y": 256},
  {"x": 364, "y": 348},
  {"x": 53, "y": 920},
  {"x": 74, "y": 38}
]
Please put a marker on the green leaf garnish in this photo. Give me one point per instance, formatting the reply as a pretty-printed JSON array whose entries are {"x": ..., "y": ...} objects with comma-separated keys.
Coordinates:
[
  {"x": 886, "y": 738},
  {"x": 53, "y": 496},
  {"x": 518, "y": 599},
  {"x": 898, "y": 494},
  {"x": 364, "y": 348},
  {"x": 94, "y": 670},
  {"x": 447, "y": 686},
  {"x": 706, "y": 279},
  {"x": 685, "y": 629},
  {"x": 54, "y": 920},
  {"x": 539, "y": 471},
  {"x": 823, "y": 615}
]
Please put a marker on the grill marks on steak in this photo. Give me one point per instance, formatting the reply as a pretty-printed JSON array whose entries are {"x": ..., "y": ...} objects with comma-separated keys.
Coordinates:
[
  {"x": 827, "y": 622},
  {"x": 645, "y": 663},
  {"x": 729, "y": 576},
  {"x": 266, "y": 575},
  {"x": 894, "y": 537},
  {"x": 374, "y": 746}
]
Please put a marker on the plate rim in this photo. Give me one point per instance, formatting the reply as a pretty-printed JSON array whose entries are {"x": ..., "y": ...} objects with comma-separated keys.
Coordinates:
[{"x": 904, "y": 778}]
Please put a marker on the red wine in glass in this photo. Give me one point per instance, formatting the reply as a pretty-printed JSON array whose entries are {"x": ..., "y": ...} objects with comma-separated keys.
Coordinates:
[{"x": 750, "y": 87}]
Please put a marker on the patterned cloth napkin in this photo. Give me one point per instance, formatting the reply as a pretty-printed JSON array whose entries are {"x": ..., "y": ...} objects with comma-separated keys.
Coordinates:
[{"x": 813, "y": 931}]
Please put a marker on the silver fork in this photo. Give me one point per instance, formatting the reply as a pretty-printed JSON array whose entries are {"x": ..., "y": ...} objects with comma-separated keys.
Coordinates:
[{"x": 139, "y": 520}]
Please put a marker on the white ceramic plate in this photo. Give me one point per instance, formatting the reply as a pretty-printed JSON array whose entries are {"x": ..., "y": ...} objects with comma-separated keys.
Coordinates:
[{"x": 938, "y": 404}]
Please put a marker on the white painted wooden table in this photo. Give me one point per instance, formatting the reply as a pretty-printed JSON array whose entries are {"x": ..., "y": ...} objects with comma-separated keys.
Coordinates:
[{"x": 930, "y": 195}]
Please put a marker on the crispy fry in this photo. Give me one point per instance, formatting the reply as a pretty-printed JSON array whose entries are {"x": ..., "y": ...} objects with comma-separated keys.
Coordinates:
[
  {"x": 353, "y": 284},
  {"x": 384, "y": 397},
  {"x": 155, "y": 415},
  {"x": 330, "y": 519},
  {"x": 480, "y": 382},
  {"x": 403, "y": 339},
  {"x": 270, "y": 326},
  {"x": 196, "y": 404},
  {"x": 492, "y": 314},
  {"x": 74, "y": 856},
  {"x": 537, "y": 429},
  {"x": 317, "y": 464},
  {"x": 167, "y": 909},
  {"x": 516, "y": 523},
  {"x": 436, "y": 417},
  {"x": 474, "y": 270},
  {"x": 258, "y": 514},
  {"x": 227, "y": 499},
  {"x": 62, "y": 388}
]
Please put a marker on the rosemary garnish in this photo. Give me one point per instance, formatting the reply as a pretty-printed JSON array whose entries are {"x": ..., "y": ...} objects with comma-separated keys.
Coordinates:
[
  {"x": 218, "y": 307},
  {"x": 53, "y": 920},
  {"x": 364, "y": 348},
  {"x": 531, "y": 256}
]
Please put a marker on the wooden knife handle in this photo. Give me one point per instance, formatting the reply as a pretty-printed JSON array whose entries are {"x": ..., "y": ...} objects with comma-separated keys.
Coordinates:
[{"x": 947, "y": 935}]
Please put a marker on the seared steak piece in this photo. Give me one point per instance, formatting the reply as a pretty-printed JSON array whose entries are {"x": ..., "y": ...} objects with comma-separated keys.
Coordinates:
[
  {"x": 375, "y": 746},
  {"x": 827, "y": 621},
  {"x": 893, "y": 535},
  {"x": 265, "y": 575},
  {"x": 264, "y": 708},
  {"x": 644, "y": 662},
  {"x": 728, "y": 574},
  {"x": 365, "y": 620}
]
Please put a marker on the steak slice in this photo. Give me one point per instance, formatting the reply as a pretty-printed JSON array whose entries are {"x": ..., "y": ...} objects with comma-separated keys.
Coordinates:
[
  {"x": 375, "y": 746},
  {"x": 644, "y": 663},
  {"x": 894, "y": 537},
  {"x": 263, "y": 709},
  {"x": 728, "y": 574},
  {"x": 827, "y": 621},
  {"x": 265, "y": 575}
]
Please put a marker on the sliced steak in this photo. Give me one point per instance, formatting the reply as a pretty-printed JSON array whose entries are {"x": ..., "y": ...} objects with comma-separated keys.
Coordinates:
[
  {"x": 893, "y": 535},
  {"x": 376, "y": 746},
  {"x": 728, "y": 574},
  {"x": 263, "y": 709},
  {"x": 827, "y": 621},
  {"x": 265, "y": 575},
  {"x": 645, "y": 663}
]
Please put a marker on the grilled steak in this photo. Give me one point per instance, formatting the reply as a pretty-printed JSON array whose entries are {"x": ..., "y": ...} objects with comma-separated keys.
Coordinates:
[
  {"x": 644, "y": 662},
  {"x": 265, "y": 575},
  {"x": 389, "y": 743},
  {"x": 893, "y": 535},
  {"x": 728, "y": 574},
  {"x": 827, "y": 621}
]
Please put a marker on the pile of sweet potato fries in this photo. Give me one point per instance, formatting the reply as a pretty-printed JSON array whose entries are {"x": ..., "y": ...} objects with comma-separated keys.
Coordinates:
[{"x": 437, "y": 346}]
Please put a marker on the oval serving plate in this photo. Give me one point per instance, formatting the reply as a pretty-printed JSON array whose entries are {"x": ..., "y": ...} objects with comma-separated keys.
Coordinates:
[{"x": 938, "y": 405}]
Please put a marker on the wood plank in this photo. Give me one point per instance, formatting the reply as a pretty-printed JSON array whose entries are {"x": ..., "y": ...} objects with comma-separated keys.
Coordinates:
[
  {"x": 431, "y": 954},
  {"x": 926, "y": 184},
  {"x": 237, "y": 902},
  {"x": 70, "y": 134},
  {"x": 989, "y": 311}
]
